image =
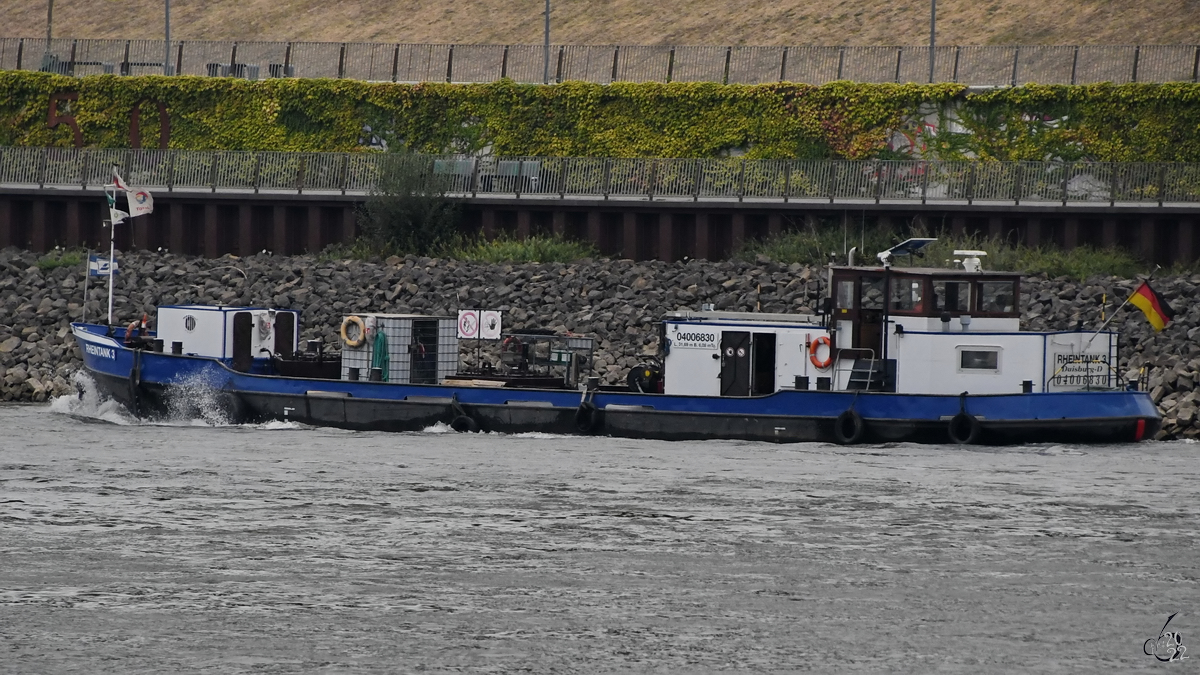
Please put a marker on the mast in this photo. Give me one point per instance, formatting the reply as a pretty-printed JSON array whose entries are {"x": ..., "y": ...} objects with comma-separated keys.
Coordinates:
[
  {"x": 112, "y": 267},
  {"x": 87, "y": 276},
  {"x": 112, "y": 238}
]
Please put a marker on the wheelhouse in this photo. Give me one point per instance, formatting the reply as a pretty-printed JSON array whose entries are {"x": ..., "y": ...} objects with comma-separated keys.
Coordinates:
[
  {"x": 915, "y": 330},
  {"x": 865, "y": 299}
]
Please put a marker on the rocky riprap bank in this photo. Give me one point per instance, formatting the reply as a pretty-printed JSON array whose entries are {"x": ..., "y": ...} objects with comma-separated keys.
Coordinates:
[{"x": 618, "y": 301}]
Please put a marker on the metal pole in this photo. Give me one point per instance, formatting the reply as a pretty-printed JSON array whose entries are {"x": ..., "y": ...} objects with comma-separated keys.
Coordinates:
[
  {"x": 932, "y": 35},
  {"x": 167, "y": 40},
  {"x": 112, "y": 246},
  {"x": 49, "y": 26},
  {"x": 87, "y": 276},
  {"x": 1114, "y": 314},
  {"x": 546, "y": 42}
]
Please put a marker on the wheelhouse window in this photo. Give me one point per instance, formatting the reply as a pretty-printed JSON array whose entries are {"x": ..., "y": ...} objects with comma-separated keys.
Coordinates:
[
  {"x": 907, "y": 295},
  {"x": 979, "y": 359},
  {"x": 872, "y": 293},
  {"x": 997, "y": 297},
  {"x": 845, "y": 294},
  {"x": 951, "y": 296}
]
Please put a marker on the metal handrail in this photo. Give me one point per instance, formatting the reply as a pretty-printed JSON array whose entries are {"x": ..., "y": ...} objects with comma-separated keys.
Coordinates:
[
  {"x": 731, "y": 180},
  {"x": 990, "y": 65},
  {"x": 837, "y": 360}
]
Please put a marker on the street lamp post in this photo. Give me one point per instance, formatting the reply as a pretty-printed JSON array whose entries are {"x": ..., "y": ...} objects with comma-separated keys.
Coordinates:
[
  {"x": 49, "y": 26},
  {"x": 932, "y": 35},
  {"x": 546, "y": 45},
  {"x": 167, "y": 41}
]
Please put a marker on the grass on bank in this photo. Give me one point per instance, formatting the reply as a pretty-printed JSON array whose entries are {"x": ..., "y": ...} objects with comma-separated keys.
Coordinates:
[
  {"x": 503, "y": 249},
  {"x": 62, "y": 257},
  {"x": 815, "y": 247},
  {"x": 810, "y": 248},
  {"x": 534, "y": 249}
]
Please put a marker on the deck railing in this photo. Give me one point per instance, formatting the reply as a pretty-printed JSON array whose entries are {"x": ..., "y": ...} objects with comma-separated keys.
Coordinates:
[
  {"x": 735, "y": 179},
  {"x": 391, "y": 62}
]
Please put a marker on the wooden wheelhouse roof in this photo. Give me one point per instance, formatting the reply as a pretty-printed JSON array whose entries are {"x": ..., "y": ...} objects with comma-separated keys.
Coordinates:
[{"x": 933, "y": 272}]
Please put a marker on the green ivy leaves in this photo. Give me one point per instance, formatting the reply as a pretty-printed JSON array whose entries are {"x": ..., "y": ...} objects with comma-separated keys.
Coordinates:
[{"x": 1101, "y": 122}]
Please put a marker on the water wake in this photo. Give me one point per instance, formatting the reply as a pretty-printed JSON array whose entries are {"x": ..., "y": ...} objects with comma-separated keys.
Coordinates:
[
  {"x": 89, "y": 404},
  {"x": 194, "y": 402},
  {"x": 197, "y": 400}
]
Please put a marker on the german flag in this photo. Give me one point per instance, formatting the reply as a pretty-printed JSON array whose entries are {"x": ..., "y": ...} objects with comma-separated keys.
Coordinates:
[{"x": 1153, "y": 305}]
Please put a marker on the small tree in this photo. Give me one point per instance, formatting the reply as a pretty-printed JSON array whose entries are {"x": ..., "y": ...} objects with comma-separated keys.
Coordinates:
[{"x": 408, "y": 210}]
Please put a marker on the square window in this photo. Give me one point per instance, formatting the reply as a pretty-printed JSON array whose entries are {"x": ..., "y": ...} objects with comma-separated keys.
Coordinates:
[
  {"x": 872, "y": 293},
  {"x": 979, "y": 359},
  {"x": 907, "y": 295},
  {"x": 996, "y": 297},
  {"x": 951, "y": 296}
]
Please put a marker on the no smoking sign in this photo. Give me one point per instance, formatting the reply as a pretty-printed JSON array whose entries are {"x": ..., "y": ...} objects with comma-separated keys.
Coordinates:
[{"x": 468, "y": 324}]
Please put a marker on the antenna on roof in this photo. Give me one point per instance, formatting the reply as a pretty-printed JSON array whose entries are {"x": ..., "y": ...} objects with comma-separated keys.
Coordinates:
[{"x": 971, "y": 263}]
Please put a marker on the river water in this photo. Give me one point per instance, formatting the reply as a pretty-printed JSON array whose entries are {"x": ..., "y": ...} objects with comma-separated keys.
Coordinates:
[{"x": 188, "y": 547}]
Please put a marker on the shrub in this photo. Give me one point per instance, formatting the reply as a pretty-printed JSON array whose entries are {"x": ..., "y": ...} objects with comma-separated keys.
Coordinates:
[
  {"x": 814, "y": 246},
  {"x": 61, "y": 258},
  {"x": 408, "y": 211},
  {"x": 817, "y": 245},
  {"x": 533, "y": 249}
]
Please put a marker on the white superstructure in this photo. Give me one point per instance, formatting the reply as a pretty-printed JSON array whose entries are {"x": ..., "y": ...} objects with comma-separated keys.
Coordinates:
[
  {"x": 227, "y": 332},
  {"x": 906, "y": 330}
]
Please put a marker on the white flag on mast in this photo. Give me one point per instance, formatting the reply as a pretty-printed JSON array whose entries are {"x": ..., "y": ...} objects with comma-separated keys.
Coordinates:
[
  {"x": 117, "y": 180},
  {"x": 141, "y": 201}
]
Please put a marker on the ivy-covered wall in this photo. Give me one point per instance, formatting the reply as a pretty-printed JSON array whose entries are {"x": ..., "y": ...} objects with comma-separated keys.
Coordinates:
[{"x": 1151, "y": 122}]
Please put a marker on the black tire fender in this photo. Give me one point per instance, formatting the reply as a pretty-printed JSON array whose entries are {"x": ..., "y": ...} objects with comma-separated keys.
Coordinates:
[
  {"x": 963, "y": 429},
  {"x": 464, "y": 423},
  {"x": 585, "y": 417},
  {"x": 849, "y": 427}
]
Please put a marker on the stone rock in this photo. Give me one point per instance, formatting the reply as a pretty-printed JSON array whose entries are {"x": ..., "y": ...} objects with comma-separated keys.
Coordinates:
[{"x": 1185, "y": 416}]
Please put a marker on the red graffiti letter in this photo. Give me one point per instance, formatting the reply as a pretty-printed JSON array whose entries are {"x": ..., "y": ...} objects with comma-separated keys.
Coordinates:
[
  {"x": 164, "y": 125},
  {"x": 54, "y": 119}
]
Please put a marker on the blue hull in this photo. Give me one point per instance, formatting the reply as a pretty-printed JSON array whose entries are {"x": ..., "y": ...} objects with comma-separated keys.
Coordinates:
[{"x": 144, "y": 381}]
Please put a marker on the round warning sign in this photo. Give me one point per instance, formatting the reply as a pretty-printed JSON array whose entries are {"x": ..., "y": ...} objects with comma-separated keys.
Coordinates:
[
  {"x": 468, "y": 324},
  {"x": 489, "y": 324}
]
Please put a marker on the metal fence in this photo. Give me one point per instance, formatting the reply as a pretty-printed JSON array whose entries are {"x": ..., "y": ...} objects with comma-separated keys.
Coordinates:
[
  {"x": 389, "y": 62},
  {"x": 709, "y": 180}
]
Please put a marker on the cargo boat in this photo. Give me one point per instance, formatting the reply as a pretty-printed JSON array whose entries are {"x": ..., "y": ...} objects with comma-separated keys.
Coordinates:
[{"x": 896, "y": 355}]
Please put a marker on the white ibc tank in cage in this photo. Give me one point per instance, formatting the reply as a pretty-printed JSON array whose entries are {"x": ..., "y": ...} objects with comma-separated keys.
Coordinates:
[{"x": 421, "y": 349}]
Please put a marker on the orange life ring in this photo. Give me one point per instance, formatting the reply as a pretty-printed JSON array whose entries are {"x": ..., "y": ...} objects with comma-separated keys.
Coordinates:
[
  {"x": 812, "y": 352},
  {"x": 362, "y": 331},
  {"x": 511, "y": 343}
]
